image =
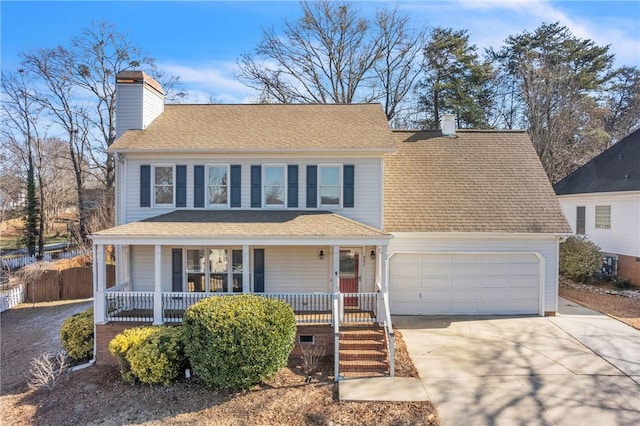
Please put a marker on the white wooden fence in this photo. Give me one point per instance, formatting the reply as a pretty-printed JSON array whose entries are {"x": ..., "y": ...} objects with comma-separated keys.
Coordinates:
[
  {"x": 15, "y": 262},
  {"x": 12, "y": 297}
]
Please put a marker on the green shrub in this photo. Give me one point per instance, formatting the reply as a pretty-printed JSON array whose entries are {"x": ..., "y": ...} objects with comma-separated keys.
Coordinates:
[
  {"x": 236, "y": 342},
  {"x": 580, "y": 259},
  {"x": 152, "y": 355},
  {"x": 76, "y": 335},
  {"x": 621, "y": 283}
]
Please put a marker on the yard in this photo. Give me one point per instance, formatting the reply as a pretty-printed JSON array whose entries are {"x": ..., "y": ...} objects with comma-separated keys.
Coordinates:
[
  {"x": 602, "y": 296},
  {"x": 96, "y": 395}
]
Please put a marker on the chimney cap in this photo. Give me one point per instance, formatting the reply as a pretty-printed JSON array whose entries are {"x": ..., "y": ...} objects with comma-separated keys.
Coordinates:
[
  {"x": 138, "y": 77},
  {"x": 448, "y": 124}
]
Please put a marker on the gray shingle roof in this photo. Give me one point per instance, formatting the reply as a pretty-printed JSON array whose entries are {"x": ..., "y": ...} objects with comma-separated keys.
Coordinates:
[
  {"x": 244, "y": 223},
  {"x": 260, "y": 128},
  {"x": 616, "y": 169},
  {"x": 477, "y": 181}
]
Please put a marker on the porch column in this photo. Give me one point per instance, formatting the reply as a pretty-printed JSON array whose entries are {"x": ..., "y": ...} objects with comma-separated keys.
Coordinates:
[
  {"x": 336, "y": 269},
  {"x": 384, "y": 264},
  {"x": 157, "y": 287},
  {"x": 100, "y": 283},
  {"x": 246, "y": 269},
  {"x": 126, "y": 264}
]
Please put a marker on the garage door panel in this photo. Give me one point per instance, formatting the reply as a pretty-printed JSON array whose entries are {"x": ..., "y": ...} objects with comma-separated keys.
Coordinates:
[{"x": 465, "y": 284}]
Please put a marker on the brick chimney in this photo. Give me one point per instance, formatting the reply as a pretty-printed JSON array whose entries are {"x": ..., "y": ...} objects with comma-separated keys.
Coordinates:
[{"x": 139, "y": 100}]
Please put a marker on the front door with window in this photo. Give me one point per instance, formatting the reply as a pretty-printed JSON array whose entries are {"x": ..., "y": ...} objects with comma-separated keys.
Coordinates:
[{"x": 349, "y": 274}]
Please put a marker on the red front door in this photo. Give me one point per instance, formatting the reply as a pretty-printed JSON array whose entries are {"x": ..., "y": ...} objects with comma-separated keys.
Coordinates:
[{"x": 349, "y": 275}]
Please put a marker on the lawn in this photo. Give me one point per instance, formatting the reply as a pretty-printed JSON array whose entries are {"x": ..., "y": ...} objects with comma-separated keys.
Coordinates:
[{"x": 96, "y": 395}]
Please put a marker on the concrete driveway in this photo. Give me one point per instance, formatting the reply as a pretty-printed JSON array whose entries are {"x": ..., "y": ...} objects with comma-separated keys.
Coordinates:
[{"x": 528, "y": 370}]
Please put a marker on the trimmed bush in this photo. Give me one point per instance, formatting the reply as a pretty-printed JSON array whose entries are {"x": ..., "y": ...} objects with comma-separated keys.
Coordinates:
[
  {"x": 152, "y": 355},
  {"x": 76, "y": 335},
  {"x": 580, "y": 259},
  {"x": 237, "y": 342}
]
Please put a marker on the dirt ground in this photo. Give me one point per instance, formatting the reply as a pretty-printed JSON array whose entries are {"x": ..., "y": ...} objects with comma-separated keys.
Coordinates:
[
  {"x": 96, "y": 395},
  {"x": 623, "y": 305}
]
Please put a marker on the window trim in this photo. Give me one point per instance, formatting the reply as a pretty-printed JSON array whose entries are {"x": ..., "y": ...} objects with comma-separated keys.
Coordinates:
[
  {"x": 153, "y": 186},
  {"x": 596, "y": 223},
  {"x": 283, "y": 166},
  {"x": 207, "y": 269},
  {"x": 340, "y": 184},
  {"x": 206, "y": 187}
]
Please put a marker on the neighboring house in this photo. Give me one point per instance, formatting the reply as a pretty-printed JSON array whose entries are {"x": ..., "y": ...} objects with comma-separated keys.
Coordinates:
[
  {"x": 326, "y": 208},
  {"x": 601, "y": 200}
]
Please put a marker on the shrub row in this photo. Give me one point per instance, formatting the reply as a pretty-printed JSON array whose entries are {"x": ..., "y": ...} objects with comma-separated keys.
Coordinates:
[{"x": 232, "y": 342}]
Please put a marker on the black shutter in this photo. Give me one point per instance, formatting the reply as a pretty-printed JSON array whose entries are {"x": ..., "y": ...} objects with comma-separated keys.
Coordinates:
[
  {"x": 312, "y": 186},
  {"x": 256, "y": 186},
  {"x": 181, "y": 186},
  {"x": 292, "y": 186},
  {"x": 176, "y": 270},
  {"x": 236, "y": 186},
  {"x": 258, "y": 270},
  {"x": 198, "y": 186},
  {"x": 348, "y": 185},
  {"x": 145, "y": 186}
]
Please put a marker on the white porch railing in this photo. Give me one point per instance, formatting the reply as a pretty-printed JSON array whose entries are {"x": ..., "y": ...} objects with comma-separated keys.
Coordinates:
[
  {"x": 122, "y": 304},
  {"x": 390, "y": 335}
]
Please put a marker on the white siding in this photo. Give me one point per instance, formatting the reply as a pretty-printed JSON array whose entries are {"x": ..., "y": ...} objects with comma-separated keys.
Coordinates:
[
  {"x": 128, "y": 107},
  {"x": 296, "y": 270},
  {"x": 624, "y": 235},
  {"x": 153, "y": 105},
  {"x": 546, "y": 247},
  {"x": 142, "y": 267},
  {"x": 368, "y": 180}
]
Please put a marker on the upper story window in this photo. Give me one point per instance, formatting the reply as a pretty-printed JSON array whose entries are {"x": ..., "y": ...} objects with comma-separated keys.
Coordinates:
[
  {"x": 274, "y": 185},
  {"x": 218, "y": 185},
  {"x": 580, "y": 220},
  {"x": 330, "y": 185},
  {"x": 163, "y": 185},
  {"x": 603, "y": 217}
]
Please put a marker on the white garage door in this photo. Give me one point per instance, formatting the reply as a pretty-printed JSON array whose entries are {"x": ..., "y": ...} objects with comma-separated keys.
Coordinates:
[{"x": 442, "y": 284}]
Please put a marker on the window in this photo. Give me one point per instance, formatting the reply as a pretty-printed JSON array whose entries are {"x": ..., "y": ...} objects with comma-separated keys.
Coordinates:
[
  {"x": 214, "y": 272},
  {"x": 274, "y": 186},
  {"x": 218, "y": 185},
  {"x": 330, "y": 187},
  {"x": 580, "y": 220},
  {"x": 603, "y": 217},
  {"x": 163, "y": 185},
  {"x": 195, "y": 271}
]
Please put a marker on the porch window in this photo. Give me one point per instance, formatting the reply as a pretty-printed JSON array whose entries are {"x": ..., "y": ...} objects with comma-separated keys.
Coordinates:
[
  {"x": 330, "y": 187},
  {"x": 274, "y": 189},
  {"x": 212, "y": 269},
  {"x": 218, "y": 185},
  {"x": 195, "y": 271},
  {"x": 163, "y": 185},
  {"x": 603, "y": 217}
]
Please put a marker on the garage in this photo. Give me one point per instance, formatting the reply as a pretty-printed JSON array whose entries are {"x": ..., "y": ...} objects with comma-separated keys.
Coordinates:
[{"x": 468, "y": 283}]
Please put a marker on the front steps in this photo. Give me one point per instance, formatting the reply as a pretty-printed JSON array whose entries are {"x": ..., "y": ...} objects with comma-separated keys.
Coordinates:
[{"x": 363, "y": 352}]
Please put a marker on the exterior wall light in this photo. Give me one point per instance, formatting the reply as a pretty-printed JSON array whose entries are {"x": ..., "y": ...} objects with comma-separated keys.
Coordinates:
[
  {"x": 321, "y": 254},
  {"x": 373, "y": 254}
]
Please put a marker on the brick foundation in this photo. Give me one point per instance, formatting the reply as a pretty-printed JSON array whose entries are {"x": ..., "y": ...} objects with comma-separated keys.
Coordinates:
[
  {"x": 629, "y": 268},
  {"x": 322, "y": 335},
  {"x": 549, "y": 313}
]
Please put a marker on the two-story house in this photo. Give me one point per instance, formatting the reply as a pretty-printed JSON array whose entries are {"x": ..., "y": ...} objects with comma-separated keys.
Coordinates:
[{"x": 324, "y": 207}]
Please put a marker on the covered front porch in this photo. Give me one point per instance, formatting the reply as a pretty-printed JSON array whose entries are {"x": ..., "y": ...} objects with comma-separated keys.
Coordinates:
[{"x": 331, "y": 270}]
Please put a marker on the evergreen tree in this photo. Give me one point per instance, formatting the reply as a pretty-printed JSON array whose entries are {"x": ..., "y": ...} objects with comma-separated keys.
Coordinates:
[
  {"x": 455, "y": 80},
  {"x": 30, "y": 238}
]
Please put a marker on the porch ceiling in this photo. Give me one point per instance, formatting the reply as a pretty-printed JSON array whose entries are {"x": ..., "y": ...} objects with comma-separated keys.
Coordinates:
[{"x": 245, "y": 224}]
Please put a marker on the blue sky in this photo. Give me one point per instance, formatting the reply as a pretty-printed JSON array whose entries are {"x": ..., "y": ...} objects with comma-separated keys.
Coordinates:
[{"x": 201, "y": 40}]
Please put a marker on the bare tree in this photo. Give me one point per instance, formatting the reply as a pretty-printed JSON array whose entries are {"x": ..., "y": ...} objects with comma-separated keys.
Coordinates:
[
  {"x": 59, "y": 99},
  {"x": 97, "y": 56},
  {"x": 333, "y": 55},
  {"x": 623, "y": 103},
  {"x": 20, "y": 136}
]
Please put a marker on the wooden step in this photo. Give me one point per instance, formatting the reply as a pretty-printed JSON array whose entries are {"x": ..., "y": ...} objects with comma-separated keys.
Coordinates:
[
  {"x": 358, "y": 374},
  {"x": 361, "y": 334},
  {"x": 356, "y": 354}
]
